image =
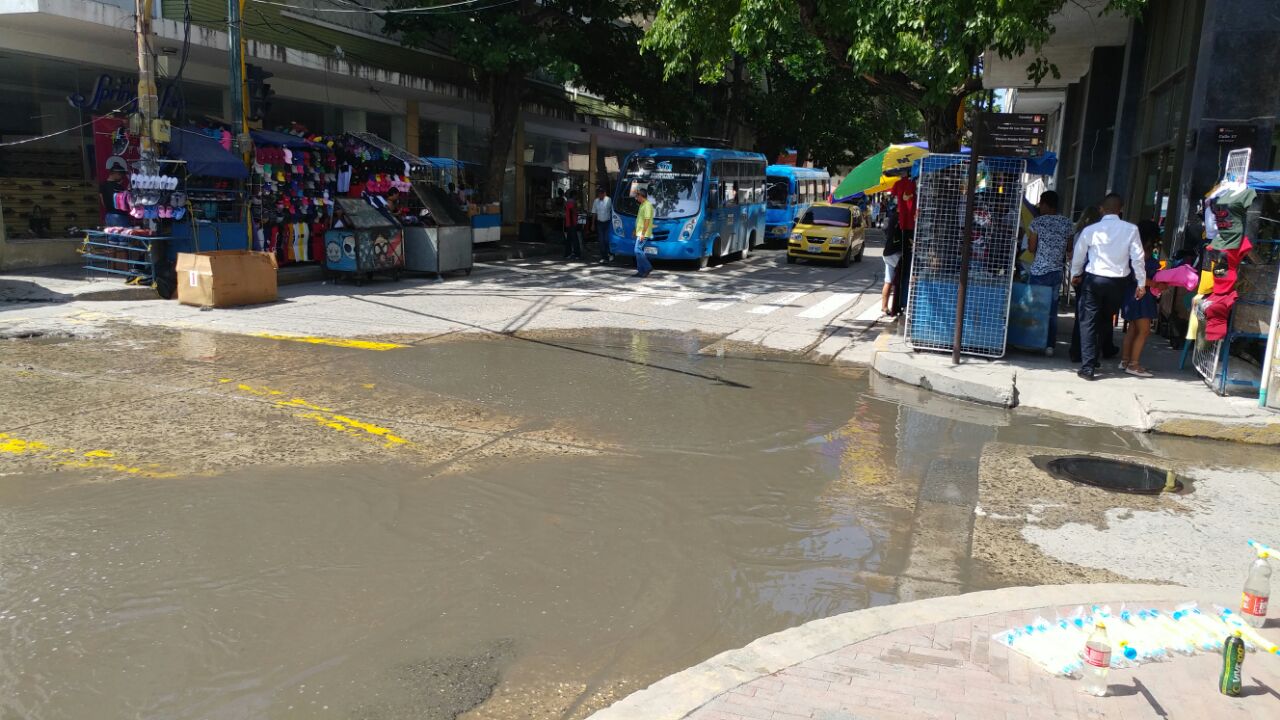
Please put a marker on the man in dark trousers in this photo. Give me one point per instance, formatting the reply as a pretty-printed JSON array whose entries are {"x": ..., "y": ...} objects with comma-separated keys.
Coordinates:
[{"x": 1105, "y": 254}]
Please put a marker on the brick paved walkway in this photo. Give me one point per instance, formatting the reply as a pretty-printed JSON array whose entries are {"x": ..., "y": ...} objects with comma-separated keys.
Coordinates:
[{"x": 954, "y": 670}]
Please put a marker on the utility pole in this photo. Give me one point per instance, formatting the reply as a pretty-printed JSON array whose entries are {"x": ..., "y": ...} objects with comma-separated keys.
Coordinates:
[
  {"x": 148, "y": 97},
  {"x": 235, "y": 51}
]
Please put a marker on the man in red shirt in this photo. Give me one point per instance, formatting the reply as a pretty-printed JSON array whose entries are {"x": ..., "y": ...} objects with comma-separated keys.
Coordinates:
[
  {"x": 905, "y": 192},
  {"x": 572, "y": 236}
]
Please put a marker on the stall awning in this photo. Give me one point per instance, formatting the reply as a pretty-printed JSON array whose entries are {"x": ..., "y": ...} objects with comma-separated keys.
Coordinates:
[
  {"x": 447, "y": 163},
  {"x": 1265, "y": 181},
  {"x": 278, "y": 139},
  {"x": 205, "y": 156}
]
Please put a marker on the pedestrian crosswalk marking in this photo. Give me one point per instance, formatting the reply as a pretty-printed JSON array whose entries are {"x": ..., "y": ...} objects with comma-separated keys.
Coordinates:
[
  {"x": 871, "y": 313},
  {"x": 829, "y": 306},
  {"x": 777, "y": 304},
  {"x": 678, "y": 297},
  {"x": 717, "y": 305}
]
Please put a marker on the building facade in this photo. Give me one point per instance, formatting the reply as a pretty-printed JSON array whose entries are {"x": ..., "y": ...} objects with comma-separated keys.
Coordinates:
[
  {"x": 64, "y": 61},
  {"x": 1149, "y": 107}
]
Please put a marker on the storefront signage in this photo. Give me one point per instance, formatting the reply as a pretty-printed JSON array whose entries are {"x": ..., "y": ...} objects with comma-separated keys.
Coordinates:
[
  {"x": 1235, "y": 135},
  {"x": 111, "y": 93},
  {"x": 1012, "y": 134}
]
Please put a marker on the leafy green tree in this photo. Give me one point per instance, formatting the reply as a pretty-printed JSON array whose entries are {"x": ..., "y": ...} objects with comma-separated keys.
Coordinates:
[
  {"x": 801, "y": 101},
  {"x": 590, "y": 43},
  {"x": 926, "y": 53}
]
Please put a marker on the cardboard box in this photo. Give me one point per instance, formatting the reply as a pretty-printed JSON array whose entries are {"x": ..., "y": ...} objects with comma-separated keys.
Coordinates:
[{"x": 226, "y": 278}]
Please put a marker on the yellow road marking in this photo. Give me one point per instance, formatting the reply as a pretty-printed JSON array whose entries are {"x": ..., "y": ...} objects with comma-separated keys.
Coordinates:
[
  {"x": 334, "y": 342},
  {"x": 70, "y": 457},
  {"x": 327, "y": 417}
]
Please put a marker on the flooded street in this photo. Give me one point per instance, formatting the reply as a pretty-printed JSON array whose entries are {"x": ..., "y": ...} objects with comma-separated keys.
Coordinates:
[{"x": 196, "y": 525}]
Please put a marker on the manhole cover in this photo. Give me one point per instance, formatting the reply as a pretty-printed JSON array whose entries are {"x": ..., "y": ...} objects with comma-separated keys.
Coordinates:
[{"x": 1110, "y": 474}]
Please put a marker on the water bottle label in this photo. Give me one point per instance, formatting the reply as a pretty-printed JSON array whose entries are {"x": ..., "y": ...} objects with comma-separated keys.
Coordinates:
[
  {"x": 1253, "y": 605},
  {"x": 1097, "y": 658}
]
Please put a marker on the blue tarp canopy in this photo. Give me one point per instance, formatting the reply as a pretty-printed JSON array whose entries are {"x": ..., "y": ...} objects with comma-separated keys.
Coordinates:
[
  {"x": 279, "y": 139},
  {"x": 1043, "y": 165},
  {"x": 1266, "y": 181},
  {"x": 444, "y": 162},
  {"x": 205, "y": 156}
]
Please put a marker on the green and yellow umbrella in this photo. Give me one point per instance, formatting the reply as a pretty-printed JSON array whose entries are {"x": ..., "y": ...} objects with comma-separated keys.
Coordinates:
[{"x": 872, "y": 176}]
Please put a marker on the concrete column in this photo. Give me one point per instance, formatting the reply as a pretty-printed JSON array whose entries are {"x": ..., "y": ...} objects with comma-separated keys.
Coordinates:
[
  {"x": 448, "y": 136},
  {"x": 593, "y": 162},
  {"x": 411, "y": 139},
  {"x": 354, "y": 121},
  {"x": 399, "y": 131},
  {"x": 517, "y": 154}
]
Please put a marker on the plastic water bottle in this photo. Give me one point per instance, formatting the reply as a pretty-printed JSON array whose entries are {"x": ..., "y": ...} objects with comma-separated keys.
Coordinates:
[
  {"x": 1257, "y": 591},
  {"x": 1097, "y": 661}
]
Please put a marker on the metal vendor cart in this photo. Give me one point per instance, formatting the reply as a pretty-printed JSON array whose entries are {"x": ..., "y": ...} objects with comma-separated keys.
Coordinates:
[
  {"x": 372, "y": 242},
  {"x": 441, "y": 241}
]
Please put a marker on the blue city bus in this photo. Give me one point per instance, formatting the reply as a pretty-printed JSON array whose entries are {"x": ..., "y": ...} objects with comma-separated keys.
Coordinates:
[
  {"x": 708, "y": 203},
  {"x": 789, "y": 191}
]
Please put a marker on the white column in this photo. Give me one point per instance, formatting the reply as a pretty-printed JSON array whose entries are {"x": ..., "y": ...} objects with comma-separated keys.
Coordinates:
[
  {"x": 448, "y": 134},
  {"x": 354, "y": 121},
  {"x": 398, "y": 133}
]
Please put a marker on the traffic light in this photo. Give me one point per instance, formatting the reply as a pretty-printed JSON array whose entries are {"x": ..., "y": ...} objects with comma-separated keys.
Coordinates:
[{"x": 257, "y": 92}]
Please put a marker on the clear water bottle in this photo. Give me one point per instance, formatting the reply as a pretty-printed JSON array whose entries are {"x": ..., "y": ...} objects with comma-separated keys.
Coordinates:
[
  {"x": 1097, "y": 661},
  {"x": 1257, "y": 591}
]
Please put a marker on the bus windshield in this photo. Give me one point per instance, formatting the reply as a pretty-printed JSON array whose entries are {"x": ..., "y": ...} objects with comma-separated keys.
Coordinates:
[
  {"x": 834, "y": 216},
  {"x": 674, "y": 186},
  {"x": 779, "y": 191}
]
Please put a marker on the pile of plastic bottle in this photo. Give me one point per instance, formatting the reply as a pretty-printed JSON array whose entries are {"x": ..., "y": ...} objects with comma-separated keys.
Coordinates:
[{"x": 1082, "y": 643}]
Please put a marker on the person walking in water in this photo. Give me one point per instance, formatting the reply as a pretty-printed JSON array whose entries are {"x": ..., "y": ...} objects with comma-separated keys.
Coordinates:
[{"x": 644, "y": 231}]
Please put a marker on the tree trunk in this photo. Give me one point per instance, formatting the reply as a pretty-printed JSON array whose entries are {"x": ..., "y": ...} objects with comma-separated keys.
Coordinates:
[
  {"x": 940, "y": 126},
  {"x": 505, "y": 92}
]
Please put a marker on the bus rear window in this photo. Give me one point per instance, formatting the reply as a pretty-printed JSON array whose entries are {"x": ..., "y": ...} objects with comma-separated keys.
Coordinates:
[{"x": 835, "y": 216}]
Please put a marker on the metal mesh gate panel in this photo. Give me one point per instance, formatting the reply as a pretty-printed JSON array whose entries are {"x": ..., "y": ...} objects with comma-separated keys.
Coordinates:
[{"x": 935, "y": 265}]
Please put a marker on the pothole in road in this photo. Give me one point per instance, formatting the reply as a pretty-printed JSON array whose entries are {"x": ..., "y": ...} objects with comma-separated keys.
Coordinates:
[{"x": 1112, "y": 475}]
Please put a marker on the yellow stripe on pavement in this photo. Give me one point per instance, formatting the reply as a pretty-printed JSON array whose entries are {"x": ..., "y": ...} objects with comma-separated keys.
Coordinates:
[{"x": 334, "y": 342}]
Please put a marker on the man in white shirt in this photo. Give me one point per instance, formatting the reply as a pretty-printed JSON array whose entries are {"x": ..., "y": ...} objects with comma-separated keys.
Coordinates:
[
  {"x": 1105, "y": 255},
  {"x": 602, "y": 216}
]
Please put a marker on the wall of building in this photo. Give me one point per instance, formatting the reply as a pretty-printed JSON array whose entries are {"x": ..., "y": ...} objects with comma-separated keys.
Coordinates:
[{"x": 1235, "y": 86}]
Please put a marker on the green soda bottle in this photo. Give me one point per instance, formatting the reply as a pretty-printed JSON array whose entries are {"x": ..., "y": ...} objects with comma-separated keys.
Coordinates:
[{"x": 1232, "y": 665}]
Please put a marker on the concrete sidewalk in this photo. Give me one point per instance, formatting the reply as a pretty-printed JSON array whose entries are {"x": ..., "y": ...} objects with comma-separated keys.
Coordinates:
[
  {"x": 1175, "y": 401},
  {"x": 936, "y": 659}
]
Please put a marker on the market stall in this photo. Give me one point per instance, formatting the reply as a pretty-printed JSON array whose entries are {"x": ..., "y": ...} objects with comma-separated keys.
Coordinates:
[
  {"x": 364, "y": 240},
  {"x": 215, "y": 190},
  {"x": 437, "y": 231},
  {"x": 295, "y": 185}
]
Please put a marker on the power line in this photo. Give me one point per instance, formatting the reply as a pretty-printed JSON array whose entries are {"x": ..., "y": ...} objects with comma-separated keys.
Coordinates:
[{"x": 63, "y": 131}]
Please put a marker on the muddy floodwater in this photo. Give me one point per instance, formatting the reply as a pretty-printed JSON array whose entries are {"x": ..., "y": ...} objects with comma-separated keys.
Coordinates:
[{"x": 204, "y": 526}]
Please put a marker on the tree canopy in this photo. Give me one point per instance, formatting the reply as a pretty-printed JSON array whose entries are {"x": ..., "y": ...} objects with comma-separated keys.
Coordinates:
[
  {"x": 926, "y": 54},
  {"x": 577, "y": 41}
]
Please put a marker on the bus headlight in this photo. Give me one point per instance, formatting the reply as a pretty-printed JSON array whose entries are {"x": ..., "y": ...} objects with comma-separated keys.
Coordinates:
[
  {"x": 617, "y": 224},
  {"x": 687, "y": 231}
]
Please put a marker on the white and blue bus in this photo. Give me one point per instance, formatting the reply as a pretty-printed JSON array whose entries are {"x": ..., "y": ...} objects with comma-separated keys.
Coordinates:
[
  {"x": 708, "y": 203},
  {"x": 790, "y": 190}
]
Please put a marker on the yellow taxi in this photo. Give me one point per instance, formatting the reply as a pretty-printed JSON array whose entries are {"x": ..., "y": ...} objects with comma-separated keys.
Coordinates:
[{"x": 828, "y": 231}]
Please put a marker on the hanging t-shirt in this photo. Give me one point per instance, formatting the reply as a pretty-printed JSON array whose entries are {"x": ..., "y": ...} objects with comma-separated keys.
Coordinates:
[
  {"x": 344, "y": 179},
  {"x": 905, "y": 191},
  {"x": 1229, "y": 211}
]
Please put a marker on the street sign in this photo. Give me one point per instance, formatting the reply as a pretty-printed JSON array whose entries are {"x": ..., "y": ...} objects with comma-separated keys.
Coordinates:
[
  {"x": 1235, "y": 136},
  {"x": 1012, "y": 134}
]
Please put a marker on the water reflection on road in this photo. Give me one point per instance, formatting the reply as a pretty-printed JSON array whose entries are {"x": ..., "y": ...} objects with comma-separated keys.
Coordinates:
[{"x": 740, "y": 496}]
